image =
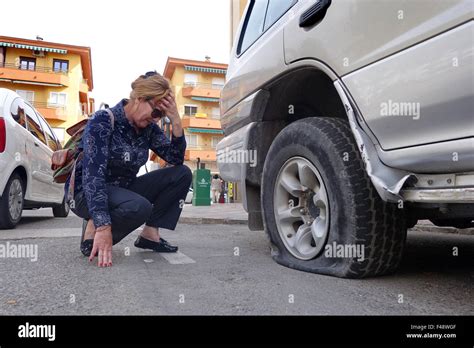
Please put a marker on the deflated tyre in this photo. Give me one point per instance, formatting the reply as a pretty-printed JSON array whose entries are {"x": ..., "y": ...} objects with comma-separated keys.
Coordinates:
[{"x": 321, "y": 211}]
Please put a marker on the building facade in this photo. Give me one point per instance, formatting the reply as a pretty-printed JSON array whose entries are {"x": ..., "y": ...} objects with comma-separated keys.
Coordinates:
[
  {"x": 55, "y": 78},
  {"x": 197, "y": 87}
]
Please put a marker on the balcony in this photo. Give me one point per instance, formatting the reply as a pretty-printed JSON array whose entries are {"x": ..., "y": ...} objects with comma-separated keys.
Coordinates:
[
  {"x": 51, "y": 112},
  {"x": 202, "y": 90},
  {"x": 43, "y": 76},
  {"x": 192, "y": 122},
  {"x": 84, "y": 86},
  {"x": 204, "y": 153}
]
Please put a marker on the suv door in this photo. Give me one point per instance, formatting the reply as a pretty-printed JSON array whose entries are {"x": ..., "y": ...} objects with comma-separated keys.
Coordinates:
[
  {"x": 257, "y": 54},
  {"x": 40, "y": 154},
  {"x": 395, "y": 54}
]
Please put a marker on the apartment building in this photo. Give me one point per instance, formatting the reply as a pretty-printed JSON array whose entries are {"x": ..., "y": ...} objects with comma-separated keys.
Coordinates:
[{"x": 55, "y": 78}]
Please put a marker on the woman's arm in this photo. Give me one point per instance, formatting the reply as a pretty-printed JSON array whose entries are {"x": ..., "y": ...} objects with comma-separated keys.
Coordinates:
[
  {"x": 94, "y": 167},
  {"x": 171, "y": 151}
]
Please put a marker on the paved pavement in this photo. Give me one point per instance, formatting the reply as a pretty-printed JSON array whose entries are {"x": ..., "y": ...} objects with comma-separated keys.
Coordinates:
[
  {"x": 235, "y": 214},
  {"x": 221, "y": 269},
  {"x": 219, "y": 213}
]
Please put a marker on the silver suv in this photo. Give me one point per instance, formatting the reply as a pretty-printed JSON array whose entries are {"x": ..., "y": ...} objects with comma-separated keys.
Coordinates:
[{"x": 359, "y": 116}]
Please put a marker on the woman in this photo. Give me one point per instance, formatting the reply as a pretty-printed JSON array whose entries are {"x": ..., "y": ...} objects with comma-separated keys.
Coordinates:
[{"x": 108, "y": 194}]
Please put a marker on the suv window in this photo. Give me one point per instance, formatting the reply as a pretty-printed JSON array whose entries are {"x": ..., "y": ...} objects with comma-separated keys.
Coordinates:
[
  {"x": 51, "y": 140},
  {"x": 276, "y": 9},
  {"x": 34, "y": 124},
  {"x": 17, "y": 111},
  {"x": 253, "y": 26}
]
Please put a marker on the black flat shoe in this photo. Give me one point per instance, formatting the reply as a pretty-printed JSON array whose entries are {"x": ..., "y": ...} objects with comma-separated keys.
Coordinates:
[
  {"x": 164, "y": 241},
  {"x": 86, "y": 245},
  {"x": 160, "y": 247}
]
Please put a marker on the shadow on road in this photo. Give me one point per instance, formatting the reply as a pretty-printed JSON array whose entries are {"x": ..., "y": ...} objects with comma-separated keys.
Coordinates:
[
  {"x": 435, "y": 253},
  {"x": 29, "y": 221}
]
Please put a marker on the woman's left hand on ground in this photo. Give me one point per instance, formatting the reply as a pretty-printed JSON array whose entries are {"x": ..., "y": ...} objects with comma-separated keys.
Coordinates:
[
  {"x": 168, "y": 106},
  {"x": 103, "y": 247}
]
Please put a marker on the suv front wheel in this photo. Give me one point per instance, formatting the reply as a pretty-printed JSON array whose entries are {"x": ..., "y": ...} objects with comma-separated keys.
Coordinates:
[{"x": 320, "y": 209}]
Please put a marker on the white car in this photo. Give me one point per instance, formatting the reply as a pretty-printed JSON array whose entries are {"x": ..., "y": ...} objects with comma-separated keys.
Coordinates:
[
  {"x": 26, "y": 145},
  {"x": 189, "y": 196}
]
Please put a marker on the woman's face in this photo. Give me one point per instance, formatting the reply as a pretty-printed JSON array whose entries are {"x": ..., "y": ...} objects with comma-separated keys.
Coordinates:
[{"x": 142, "y": 113}]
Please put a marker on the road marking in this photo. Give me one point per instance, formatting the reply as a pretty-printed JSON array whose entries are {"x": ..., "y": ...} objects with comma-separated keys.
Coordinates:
[{"x": 177, "y": 258}]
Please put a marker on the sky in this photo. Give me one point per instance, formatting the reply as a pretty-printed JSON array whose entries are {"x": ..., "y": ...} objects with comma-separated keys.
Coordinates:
[{"x": 127, "y": 38}]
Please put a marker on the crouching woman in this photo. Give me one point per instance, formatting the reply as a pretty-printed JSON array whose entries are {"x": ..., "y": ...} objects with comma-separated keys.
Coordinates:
[{"x": 105, "y": 189}]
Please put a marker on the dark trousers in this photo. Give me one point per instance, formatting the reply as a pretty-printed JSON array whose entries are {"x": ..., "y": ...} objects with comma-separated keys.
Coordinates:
[{"x": 156, "y": 199}]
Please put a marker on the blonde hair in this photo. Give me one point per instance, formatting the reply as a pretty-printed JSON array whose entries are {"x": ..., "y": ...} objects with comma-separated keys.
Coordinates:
[{"x": 150, "y": 87}]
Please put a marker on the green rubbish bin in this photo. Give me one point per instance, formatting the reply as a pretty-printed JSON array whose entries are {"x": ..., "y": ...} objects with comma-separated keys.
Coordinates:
[{"x": 202, "y": 187}]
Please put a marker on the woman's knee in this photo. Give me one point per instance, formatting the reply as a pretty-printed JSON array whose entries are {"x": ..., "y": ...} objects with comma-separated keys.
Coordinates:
[
  {"x": 137, "y": 208},
  {"x": 186, "y": 173}
]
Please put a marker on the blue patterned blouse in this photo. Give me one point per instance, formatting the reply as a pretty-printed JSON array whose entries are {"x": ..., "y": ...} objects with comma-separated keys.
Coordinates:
[{"x": 116, "y": 157}]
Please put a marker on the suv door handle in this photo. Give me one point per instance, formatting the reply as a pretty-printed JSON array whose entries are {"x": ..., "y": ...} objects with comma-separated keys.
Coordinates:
[
  {"x": 315, "y": 13},
  {"x": 36, "y": 144}
]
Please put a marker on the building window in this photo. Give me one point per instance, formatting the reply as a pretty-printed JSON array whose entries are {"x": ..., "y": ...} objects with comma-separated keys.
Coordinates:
[
  {"x": 57, "y": 99},
  {"x": 190, "y": 110},
  {"x": 191, "y": 140},
  {"x": 218, "y": 82},
  {"x": 60, "y": 65},
  {"x": 190, "y": 79},
  {"x": 215, "y": 141},
  {"x": 29, "y": 96},
  {"x": 216, "y": 113},
  {"x": 27, "y": 63}
]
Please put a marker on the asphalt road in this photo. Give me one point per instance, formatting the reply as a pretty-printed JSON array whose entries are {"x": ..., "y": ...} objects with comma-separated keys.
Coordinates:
[{"x": 207, "y": 278}]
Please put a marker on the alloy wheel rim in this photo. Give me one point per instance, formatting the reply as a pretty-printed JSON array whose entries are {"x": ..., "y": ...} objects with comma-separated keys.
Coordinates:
[
  {"x": 301, "y": 208},
  {"x": 15, "y": 199}
]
